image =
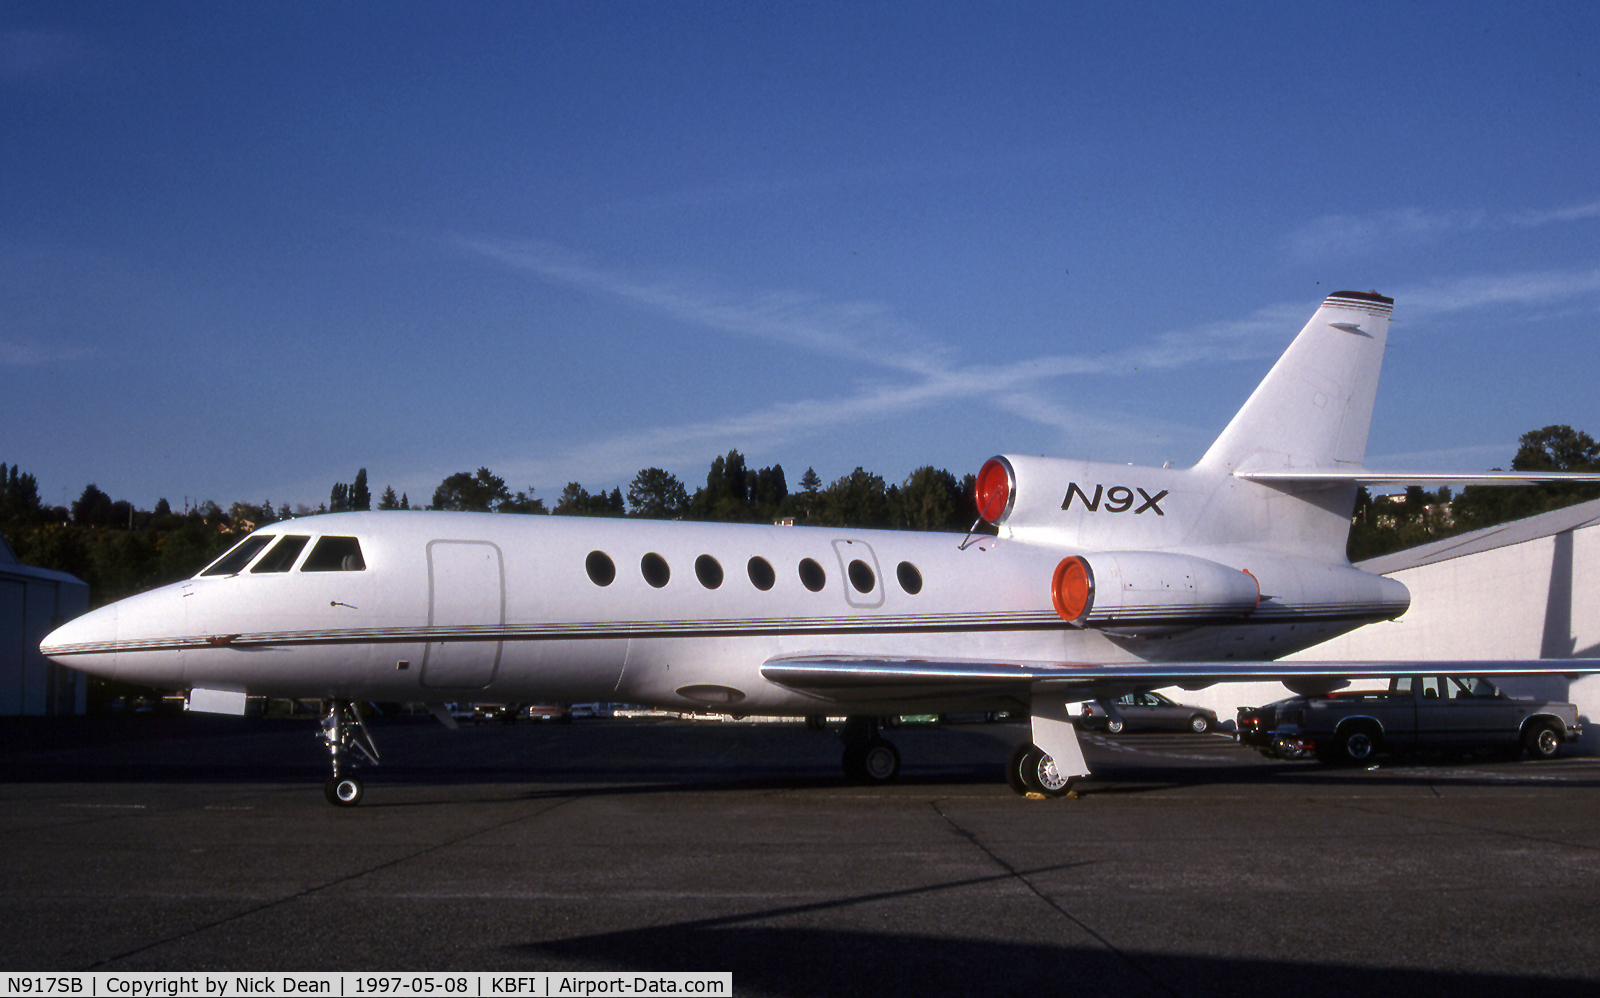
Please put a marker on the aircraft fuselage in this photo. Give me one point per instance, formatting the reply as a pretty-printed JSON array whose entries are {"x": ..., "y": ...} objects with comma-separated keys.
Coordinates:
[{"x": 456, "y": 606}]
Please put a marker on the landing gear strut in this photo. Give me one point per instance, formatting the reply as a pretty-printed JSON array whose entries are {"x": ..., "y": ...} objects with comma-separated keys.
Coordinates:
[
  {"x": 867, "y": 757},
  {"x": 348, "y": 741}
]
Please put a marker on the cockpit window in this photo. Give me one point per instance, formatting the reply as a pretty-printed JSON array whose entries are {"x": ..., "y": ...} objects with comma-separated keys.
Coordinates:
[
  {"x": 235, "y": 560},
  {"x": 335, "y": 554},
  {"x": 281, "y": 557}
]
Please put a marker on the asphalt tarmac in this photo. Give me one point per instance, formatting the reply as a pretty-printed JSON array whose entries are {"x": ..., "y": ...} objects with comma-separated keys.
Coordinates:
[{"x": 1188, "y": 866}]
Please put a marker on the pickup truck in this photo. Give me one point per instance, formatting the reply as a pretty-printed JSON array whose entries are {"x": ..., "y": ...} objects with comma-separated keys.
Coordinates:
[{"x": 1414, "y": 713}]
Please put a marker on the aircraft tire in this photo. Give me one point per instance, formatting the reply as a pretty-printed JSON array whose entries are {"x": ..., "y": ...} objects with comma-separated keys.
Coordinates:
[
  {"x": 881, "y": 763},
  {"x": 876, "y": 761},
  {"x": 343, "y": 791},
  {"x": 1038, "y": 773},
  {"x": 1014, "y": 769}
]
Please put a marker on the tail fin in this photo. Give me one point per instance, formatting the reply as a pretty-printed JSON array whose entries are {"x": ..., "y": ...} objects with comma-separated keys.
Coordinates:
[
  {"x": 1282, "y": 475},
  {"x": 1315, "y": 407},
  {"x": 1312, "y": 412}
]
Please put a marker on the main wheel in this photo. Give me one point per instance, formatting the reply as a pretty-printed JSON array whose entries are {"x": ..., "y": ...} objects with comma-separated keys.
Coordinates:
[
  {"x": 881, "y": 764},
  {"x": 1014, "y": 769},
  {"x": 876, "y": 761},
  {"x": 343, "y": 791},
  {"x": 1543, "y": 741},
  {"x": 1199, "y": 724},
  {"x": 1039, "y": 774}
]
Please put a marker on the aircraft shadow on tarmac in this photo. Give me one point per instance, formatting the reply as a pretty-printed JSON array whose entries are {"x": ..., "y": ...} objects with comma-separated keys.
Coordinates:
[{"x": 803, "y": 961}]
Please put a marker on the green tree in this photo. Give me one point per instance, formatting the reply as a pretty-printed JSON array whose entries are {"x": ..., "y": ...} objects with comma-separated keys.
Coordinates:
[
  {"x": 19, "y": 495},
  {"x": 93, "y": 508},
  {"x": 523, "y": 502},
  {"x": 930, "y": 499},
  {"x": 859, "y": 499},
  {"x": 389, "y": 500},
  {"x": 360, "y": 495},
  {"x": 478, "y": 492},
  {"x": 576, "y": 501},
  {"x": 657, "y": 495},
  {"x": 1553, "y": 448}
]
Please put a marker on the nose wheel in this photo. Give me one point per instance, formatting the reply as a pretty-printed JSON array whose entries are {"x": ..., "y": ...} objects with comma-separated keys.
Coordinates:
[{"x": 349, "y": 743}]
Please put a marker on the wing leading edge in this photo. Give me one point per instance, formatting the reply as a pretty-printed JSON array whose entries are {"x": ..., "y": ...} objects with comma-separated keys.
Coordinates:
[{"x": 847, "y": 680}]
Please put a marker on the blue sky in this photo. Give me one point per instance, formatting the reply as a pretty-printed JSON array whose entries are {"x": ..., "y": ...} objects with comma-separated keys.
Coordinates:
[{"x": 246, "y": 249}]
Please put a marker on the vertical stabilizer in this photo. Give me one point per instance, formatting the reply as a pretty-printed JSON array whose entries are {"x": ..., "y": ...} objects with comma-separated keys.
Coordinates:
[
  {"x": 1312, "y": 411},
  {"x": 1314, "y": 408}
]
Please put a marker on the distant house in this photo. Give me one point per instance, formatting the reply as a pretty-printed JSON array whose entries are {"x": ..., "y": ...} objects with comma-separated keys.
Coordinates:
[{"x": 32, "y": 602}]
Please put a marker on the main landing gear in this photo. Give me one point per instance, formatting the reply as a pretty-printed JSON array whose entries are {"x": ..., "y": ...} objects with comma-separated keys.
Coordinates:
[
  {"x": 349, "y": 742},
  {"x": 1052, "y": 760},
  {"x": 1045, "y": 766},
  {"x": 868, "y": 758},
  {"x": 1031, "y": 770}
]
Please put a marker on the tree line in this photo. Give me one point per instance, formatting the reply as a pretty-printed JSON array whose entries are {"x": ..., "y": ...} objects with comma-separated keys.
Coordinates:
[
  {"x": 119, "y": 550},
  {"x": 1391, "y": 523}
]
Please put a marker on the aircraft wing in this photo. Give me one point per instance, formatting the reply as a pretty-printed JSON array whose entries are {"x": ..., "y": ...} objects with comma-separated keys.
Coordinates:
[{"x": 858, "y": 679}]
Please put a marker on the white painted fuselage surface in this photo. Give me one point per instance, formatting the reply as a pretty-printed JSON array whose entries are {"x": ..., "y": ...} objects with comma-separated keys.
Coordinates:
[{"x": 509, "y": 607}]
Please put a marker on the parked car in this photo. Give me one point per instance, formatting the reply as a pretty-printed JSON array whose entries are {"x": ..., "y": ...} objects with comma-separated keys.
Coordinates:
[
  {"x": 1145, "y": 711},
  {"x": 1414, "y": 713},
  {"x": 1256, "y": 727}
]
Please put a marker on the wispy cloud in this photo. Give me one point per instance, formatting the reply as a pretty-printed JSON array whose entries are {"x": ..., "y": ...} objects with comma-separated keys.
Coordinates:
[
  {"x": 15, "y": 354},
  {"x": 1571, "y": 213},
  {"x": 923, "y": 373},
  {"x": 43, "y": 57},
  {"x": 868, "y": 332},
  {"x": 1340, "y": 235},
  {"x": 1529, "y": 288},
  {"x": 1333, "y": 236}
]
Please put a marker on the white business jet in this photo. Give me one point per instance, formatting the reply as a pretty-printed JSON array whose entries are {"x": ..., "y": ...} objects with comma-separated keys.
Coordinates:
[{"x": 1102, "y": 579}]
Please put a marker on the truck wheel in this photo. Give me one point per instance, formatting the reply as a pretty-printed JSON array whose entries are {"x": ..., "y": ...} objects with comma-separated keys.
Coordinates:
[
  {"x": 1543, "y": 741},
  {"x": 1358, "y": 746}
]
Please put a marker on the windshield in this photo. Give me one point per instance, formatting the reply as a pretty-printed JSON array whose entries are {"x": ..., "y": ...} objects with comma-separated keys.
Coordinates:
[{"x": 236, "y": 559}]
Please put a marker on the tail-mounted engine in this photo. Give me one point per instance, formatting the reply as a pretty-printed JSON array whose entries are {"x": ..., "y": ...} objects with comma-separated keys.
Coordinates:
[{"x": 1150, "y": 590}]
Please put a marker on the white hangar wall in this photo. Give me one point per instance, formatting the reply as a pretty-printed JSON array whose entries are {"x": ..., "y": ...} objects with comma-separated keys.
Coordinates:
[
  {"x": 1522, "y": 590},
  {"x": 32, "y": 602}
]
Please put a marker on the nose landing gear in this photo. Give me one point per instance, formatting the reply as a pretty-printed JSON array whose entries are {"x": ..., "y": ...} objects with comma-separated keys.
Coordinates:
[{"x": 348, "y": 742}]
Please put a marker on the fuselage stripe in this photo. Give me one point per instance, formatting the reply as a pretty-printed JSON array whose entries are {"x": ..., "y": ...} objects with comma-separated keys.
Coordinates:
[{"x": 767, "y": 627}]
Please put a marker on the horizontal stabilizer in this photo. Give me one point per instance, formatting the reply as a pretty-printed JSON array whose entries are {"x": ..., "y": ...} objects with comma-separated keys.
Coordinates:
[{"x": 1364, "y": 476}]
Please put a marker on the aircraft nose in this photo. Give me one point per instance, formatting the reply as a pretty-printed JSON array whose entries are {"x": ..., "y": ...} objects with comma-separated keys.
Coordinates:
[{"x": 87, "y": 643}]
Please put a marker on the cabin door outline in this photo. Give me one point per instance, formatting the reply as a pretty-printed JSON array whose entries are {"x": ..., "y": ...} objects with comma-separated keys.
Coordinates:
[{"x": 466, "y": 613}]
